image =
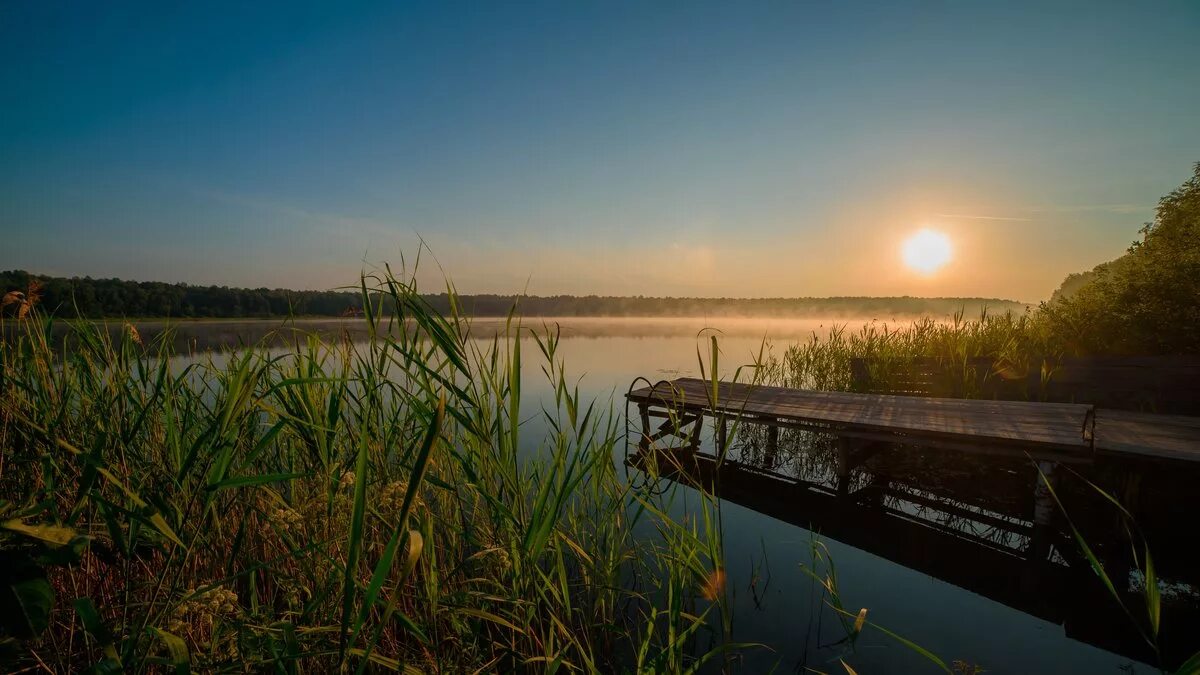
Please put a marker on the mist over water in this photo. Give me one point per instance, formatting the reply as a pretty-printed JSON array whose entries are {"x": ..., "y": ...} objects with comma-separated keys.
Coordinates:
[{"x": 209, "y": 334}]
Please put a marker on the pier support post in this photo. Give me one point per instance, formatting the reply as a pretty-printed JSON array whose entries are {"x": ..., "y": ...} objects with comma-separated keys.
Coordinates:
[
  {"x": 772, "y": 456},
  {"x": 843, "y": 466},
  {"x": 1037, "y": 554},
  {"x": 644, "y": 413},
  {"x": 1131, "y": 491},
  {"x": 1043, "y": 512},
  {"x": 693, "y": 439},
  {"x": 875, "y": 492},
  {"x": 1118, "y": 556}
]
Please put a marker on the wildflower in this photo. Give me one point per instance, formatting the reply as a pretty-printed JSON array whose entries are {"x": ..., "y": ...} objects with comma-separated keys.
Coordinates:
[
  {"x": 227, "y": 648},
  {"x": 202, "y": 609},
  {"x": 288, "y": 520},
  {"x": 502, "y": 558},
  {"x": 16, "y": 298},
  {"x": 392, "y": 497},
  {"x": 714, "y": 584},
  {"x": 221, "y": 601},
  {"x": 32, "y": 295},
  {"x": 12, "y": 298}
]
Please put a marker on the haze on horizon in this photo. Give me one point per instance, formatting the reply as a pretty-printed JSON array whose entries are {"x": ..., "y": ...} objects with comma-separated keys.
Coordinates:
[{"x": 691, "y": 149}]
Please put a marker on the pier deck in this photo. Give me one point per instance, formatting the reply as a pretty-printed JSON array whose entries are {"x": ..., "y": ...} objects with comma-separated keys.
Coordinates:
[
  {"x": 1119, "y": 432},
  {"x": 1062, "y": 431}
]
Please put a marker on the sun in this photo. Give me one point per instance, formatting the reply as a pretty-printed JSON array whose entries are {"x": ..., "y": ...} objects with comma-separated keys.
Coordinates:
[{"x": 926, "y": 251}]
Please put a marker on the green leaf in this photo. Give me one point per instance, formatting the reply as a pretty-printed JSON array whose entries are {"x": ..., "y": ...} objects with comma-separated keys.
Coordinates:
[
  {"x": 1191, "y": 666},
  {"x": 247, "y": 481},
  {"x": 69, "y": 554},
  {"x": 161, "y": 525},
  {"x": 1153, "y": 600},
  {"x": 291, "y": 645},
  {"x": 933, "y": 658},
  {"x": 35, "y": 597},
  {"x": 913, "y": 646},
  {"x": 354, "y": 545},
  {"x": 106, "y": 666},
  {"x": 488, "y": 616},
  {"x": 55, "y": 535},
  {"x": 416, "y": 544},
  {"x": 177, "y": 650},
  {"x": 95, "y": 626}
]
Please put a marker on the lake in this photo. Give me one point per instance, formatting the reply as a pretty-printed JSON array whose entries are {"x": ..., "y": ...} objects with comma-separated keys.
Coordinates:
[{"x": 935, "y": 543}]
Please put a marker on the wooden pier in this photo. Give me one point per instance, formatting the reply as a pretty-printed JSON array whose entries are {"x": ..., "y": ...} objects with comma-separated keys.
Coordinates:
[
  {"x": 1065, "y": 432},
  {"x": 1004, "y": 541}
]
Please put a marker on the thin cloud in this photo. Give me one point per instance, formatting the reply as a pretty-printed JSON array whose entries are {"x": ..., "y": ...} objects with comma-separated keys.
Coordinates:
[
  {"x": 976, "y": 217},
  {"x": 334, "y": 224},
  {"x": 1109, "y": 208},
  {"x": 1082, "y": 208}
]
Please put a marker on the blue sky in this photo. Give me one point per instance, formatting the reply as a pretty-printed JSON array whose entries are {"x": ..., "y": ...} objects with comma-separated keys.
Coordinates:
[{"x": 681, "y": 148}]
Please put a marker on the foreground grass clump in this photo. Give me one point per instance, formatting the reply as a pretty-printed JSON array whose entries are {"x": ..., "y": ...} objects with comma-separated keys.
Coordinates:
[{"x": 329, "y": 506}]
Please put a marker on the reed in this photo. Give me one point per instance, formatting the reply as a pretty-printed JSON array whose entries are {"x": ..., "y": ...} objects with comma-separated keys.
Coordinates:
[
  {"x": 1015, "y": 344},
  {"x": 333, "y": 505}
]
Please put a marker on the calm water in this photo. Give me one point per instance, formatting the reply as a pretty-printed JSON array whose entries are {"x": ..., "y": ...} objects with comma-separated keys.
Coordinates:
[{"x": 934, "y": 543}]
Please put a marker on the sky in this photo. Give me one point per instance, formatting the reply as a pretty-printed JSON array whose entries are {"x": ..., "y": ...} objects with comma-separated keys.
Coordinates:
[{"x": 643, "y": 148}]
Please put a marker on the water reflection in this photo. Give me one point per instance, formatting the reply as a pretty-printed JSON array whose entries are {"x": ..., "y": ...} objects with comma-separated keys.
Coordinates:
[{"x": 981, "y": 523}]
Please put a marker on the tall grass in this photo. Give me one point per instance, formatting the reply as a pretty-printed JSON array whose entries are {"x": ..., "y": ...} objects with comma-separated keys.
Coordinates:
[
  {"x": 1016, "y": 344},
  {"x": 332, "y": 505}
]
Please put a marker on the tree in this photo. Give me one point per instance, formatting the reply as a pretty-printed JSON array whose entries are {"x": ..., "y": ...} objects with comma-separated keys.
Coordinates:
[{"x": 1148, "y": 300}]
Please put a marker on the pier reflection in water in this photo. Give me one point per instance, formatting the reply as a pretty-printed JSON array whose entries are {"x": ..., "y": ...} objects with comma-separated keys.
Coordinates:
[{"x": 984, "y": 523}]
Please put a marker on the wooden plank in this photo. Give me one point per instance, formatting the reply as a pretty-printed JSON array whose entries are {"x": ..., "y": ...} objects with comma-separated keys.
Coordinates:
[
  {"x": 699, "y": 389},
  {"x": 1059, "y": 425},
  {"x": 902, "y": 410},
  {"x": 1159, "y": 436},
  {"x": 791, "y": 400}
]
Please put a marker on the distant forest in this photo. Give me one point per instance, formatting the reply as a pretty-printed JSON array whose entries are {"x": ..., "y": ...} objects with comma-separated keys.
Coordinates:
[{"x": 112, "y": 298}]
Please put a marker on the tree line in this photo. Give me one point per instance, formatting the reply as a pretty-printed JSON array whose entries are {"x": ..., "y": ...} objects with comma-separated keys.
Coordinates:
[{"x": 85, "y": 297}]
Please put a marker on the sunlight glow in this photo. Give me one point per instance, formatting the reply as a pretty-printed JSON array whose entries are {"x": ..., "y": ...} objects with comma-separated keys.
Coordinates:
[{"x": 926, "y": 251}]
